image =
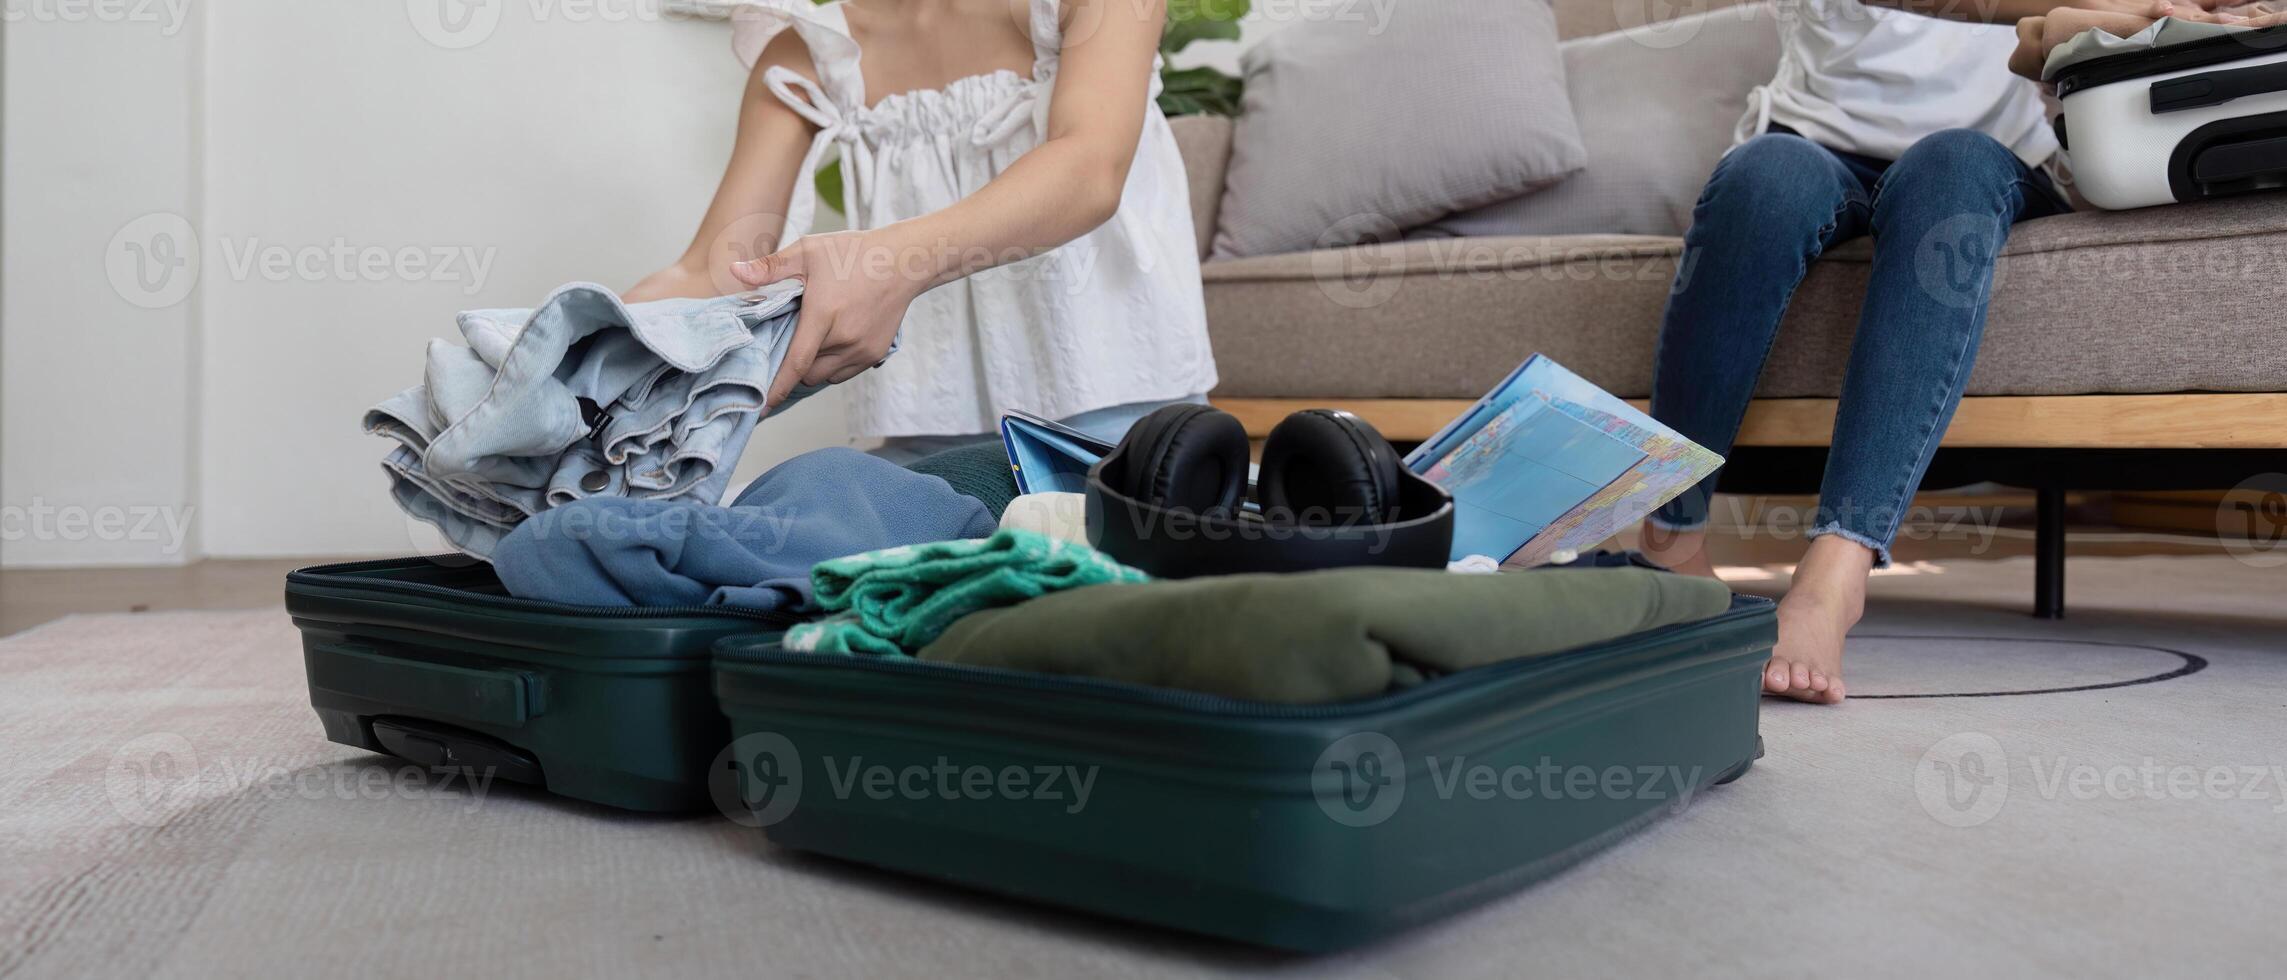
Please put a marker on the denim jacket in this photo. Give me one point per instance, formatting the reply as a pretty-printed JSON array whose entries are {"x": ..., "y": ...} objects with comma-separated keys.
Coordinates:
[{"x": 583, "y": 396}]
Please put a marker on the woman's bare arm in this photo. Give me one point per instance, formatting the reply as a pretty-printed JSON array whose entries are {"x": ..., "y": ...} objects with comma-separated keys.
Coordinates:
[
  {"x": 1071, "y": 182},
  {"x": 749, "y": 209},
  {"x": 858, "y": 284},
  {"x": 2037, "y": 36}
]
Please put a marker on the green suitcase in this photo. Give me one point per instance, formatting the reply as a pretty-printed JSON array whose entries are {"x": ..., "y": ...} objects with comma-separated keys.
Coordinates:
[
  {"x": 1303, "y": 827},
  {"x": 432, "y": 661}
]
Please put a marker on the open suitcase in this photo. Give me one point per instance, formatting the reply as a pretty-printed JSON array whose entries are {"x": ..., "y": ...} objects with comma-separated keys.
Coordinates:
[
  {"x": 1302, "y": 827},
  {"x": 431, "y": 661},
  {"x": 2181, "y": 122}
]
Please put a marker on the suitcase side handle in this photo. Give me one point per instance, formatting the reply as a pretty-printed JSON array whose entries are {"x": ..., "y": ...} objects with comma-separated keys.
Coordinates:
[
  {"x": 2210, "y": 88},
  {"x": 2230, "y": 156},
  {"x": 502, "y": 698}
]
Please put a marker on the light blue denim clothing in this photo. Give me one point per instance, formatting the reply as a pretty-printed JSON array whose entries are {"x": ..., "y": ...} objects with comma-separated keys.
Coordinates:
[{"x": 583, "y": 396}]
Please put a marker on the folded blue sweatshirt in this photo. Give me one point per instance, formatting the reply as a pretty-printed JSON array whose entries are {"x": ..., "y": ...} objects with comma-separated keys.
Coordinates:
[{"x": 757, "y": 552}]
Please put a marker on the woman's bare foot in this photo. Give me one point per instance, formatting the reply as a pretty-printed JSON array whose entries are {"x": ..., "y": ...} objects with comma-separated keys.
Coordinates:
[
  {"x": 1679, "y": 551},
  {"x": 1826, "y": 599}
]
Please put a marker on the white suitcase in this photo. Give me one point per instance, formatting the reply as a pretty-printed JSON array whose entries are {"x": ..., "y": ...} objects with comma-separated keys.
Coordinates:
[{"x": 2178, "y": 123}]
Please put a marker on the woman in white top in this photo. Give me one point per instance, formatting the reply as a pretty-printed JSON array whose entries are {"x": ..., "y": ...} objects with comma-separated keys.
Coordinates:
[
  {"x": 1883, "y": 123},
  {"x": 1019, "y": 218}
]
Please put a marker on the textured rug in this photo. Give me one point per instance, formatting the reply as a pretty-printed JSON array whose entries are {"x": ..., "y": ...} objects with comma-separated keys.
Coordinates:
[{"x": 2005, "y": 797}]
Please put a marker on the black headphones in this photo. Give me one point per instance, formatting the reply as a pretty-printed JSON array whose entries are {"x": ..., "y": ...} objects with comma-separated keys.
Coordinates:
[{"x": 1171, "y": 499}]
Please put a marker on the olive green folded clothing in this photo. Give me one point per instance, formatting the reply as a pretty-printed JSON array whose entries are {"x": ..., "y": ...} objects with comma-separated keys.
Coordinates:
[
  {"x": 1321, "y": 636},
  {"x": 896, "y": 600}
]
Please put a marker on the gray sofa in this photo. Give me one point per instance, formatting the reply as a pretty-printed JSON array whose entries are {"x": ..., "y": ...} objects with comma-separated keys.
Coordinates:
[{"x": 2144, "y": 332}]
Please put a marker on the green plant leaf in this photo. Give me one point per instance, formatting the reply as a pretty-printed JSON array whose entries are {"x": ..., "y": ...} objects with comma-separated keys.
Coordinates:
[
  {"x": 1199, "y": 91},
  {"x": 1201, "y": 20},
  {"x": 829, "y": 184},
  {"x": 1180, "y": 34}
]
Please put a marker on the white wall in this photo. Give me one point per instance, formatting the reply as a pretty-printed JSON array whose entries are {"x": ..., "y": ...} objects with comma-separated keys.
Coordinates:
[
  {"x": 552, "y": 139},
  {"x": 570, "y": 142},
  {"x": 558, "y": 148},
  {"x": 95, "y": 391}
]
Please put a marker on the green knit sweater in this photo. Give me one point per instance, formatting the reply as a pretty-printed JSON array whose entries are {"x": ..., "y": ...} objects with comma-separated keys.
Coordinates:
[{"x": 979, "y": 470}]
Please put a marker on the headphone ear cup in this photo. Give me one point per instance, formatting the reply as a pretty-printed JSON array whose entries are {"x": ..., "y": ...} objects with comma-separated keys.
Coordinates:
[
  {"x": 1186, "y": 457},
  {"x": 1327, "y": 466}
]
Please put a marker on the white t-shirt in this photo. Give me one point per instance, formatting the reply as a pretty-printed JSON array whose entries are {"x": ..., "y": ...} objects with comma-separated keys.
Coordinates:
[{"x": 1872, "y": 81}]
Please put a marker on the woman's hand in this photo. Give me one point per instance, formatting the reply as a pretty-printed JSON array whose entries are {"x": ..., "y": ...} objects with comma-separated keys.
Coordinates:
[
  {"x": 2150, "y": 10},
  {"x": 855, "y": 288},
  {"x": 2037, "y": 36},
  {"x": 2259, "y": 14}
]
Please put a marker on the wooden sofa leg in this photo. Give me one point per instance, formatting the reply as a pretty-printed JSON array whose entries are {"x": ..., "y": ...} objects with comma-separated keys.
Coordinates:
[{"x": 2049, "y": 553}]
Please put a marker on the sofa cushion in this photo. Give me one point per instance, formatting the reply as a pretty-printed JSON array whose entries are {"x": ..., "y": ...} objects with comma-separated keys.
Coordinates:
[
  {"x": 1646, "y": 19},
  {"x": 1205, "y": 143},
  {"x": 2180, "y": 298},
  {"x": 1645, "y": 168},
  {"x": 1355, "y": 128}
]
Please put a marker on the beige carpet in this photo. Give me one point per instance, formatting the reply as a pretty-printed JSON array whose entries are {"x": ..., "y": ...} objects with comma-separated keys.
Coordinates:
[{"x": 168, "y": 806}]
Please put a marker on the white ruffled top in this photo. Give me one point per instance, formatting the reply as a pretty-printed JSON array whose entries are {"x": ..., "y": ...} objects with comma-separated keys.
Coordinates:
[{"x": 1111, "y": 318}]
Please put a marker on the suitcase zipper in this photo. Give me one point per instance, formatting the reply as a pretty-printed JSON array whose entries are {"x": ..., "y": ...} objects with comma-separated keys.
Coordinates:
[
  {"x": 331, "y": 576},
  {"x": 1195, "y": 701}
]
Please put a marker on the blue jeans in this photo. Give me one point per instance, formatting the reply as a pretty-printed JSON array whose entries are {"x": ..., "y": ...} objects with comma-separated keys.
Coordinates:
[{"x": 1777, "y": 202}]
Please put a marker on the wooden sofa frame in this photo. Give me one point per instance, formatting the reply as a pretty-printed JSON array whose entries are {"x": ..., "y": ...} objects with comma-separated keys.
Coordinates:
[{"x": 2050, "y": 444}]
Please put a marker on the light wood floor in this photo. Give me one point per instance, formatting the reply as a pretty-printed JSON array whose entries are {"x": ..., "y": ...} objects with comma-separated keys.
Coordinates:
[{"x": 30, "y": 597}]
